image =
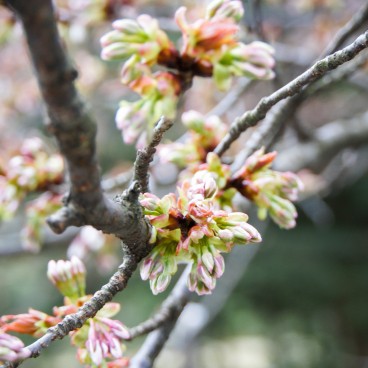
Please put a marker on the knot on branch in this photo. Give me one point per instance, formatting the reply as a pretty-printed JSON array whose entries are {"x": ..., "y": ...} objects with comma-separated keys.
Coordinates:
[{"x": 64, "y": 218}]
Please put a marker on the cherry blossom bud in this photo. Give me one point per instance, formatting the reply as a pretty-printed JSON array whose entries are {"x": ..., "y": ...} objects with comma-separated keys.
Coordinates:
[
  {"x": 204, "y": 35},
  {"x": 206, "y": 277},
  {"x": 68, "y": 277},
  {"x": 253, "y": 61},
  {"x": 33, "y": 323},
  {"x": 142, "y": 38},
  {"x": 270, "y": 190},
  {"x": 12, "y": 349},
  {"x": 160, "y": 284},
  {"x": 146, "y": 268},
  {"x": 208, "y": 260},
  {"x": 103, "y": 341},
  {"x": 226, "y": 235},
  {"x": 219, "y": 265}
]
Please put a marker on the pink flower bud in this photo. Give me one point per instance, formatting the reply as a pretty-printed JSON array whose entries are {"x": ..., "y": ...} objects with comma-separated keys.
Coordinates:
[
  {"x": 68, "y": 277},
  {"x": 208, "y": 260},
  {"x": 160, "y": 284},
  {"x": 219, "y": 265},
  {"x": 12, "y": 349},
  {"x": 206, "y": 277},
  {"x": 225, "y": 235},
  {"x": 146, "y": 268}
]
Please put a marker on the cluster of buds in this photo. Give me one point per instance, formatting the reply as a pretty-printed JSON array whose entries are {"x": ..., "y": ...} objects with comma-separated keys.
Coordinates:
[
  {"x": 99, "y": 341},
  {"x": 141, "y": 40},
  {"x": 159, "y": 92},
  {"x": 209, "y": 48},
  {"x": 36, "y": 212},
  {"x": 200, "y": 224},
  {"x": 212, "y": 42},
  {"x": 272, "y": 191},
  {"x": 142, "y": 43},
  {"x": 204, "y": 134},
  {"x": 32, "y": 169},
  {"x": 254, "y": 61},
  {"x": 12, "y": 349},
  {"x": 192, "y": 228},
  {"x": 34, "y": 323}
]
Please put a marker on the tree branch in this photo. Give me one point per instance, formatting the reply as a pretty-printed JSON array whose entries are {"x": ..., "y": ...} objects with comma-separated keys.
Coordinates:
[
  {"x": 326, "y": 141},
  {"x": 161, "y": 324},
  {"x": 75, "y": 131},
  {"x": 319, "y": 69},
  {"x": 357, "y": 21},
  {"x": 145, "y": 156},
  {"x": 272, "y": 123}
]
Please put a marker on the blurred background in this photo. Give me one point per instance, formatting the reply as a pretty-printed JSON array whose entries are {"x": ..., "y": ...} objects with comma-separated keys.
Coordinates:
[{"x": 299, "y": 299}]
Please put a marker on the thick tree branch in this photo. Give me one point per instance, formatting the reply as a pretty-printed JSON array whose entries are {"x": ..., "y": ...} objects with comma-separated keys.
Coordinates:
[
  {"x": 319, "y": 69},
  {"x": 75, "y": 131}
]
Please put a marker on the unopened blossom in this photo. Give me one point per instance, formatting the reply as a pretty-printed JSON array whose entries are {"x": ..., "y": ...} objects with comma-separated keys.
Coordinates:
[
  {"x": 12, "y": 349},
  {"x": 192, "y": 228},
  {"x": 141, "y": 37},
  {"x": 31, "y": 169},
  {"x": 159, "y": 94},
  {"x": 254, "y": 61},
  {"x": 34, "y": 168},
  {"x": 69, "y": 277},
  {"x": 36, "y": 212},
  {"x": 272, "y": 191},
  {"x": 101, "y": 338},
  {"x": 33, "y": 323},
  {"x": 205, "y": 35}
]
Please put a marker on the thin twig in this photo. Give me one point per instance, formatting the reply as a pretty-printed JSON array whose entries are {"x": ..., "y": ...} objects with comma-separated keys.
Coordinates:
[
  {"x": 319, "y": 69},
  {"x": 269, "y": 127},
  {"x": 342, "y": 73},
  {"x": 357, "y": 21},
  {"x": 145, "y": 156},
  {"x": 266, "y": 132}
]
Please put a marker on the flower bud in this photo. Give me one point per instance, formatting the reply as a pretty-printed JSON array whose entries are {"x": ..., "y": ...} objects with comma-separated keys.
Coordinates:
[
  {"x": 142, "y": 38},
  {"x": 219, "y": 265},
  {"x": 12, "y": 349},
  {"x": 160, "y": 284},
  {"x": 208, "y": 260},
  {"x": 206, "y": 277},
  {"x": 69, "y": 277}
]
